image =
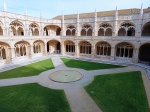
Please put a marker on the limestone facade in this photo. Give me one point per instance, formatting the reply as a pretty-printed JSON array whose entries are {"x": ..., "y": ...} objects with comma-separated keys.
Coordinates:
[{"x": 122, "y": 35}]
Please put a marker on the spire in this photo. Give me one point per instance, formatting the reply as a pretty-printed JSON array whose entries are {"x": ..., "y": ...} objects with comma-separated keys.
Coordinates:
[
  {"x": 141, "y": 11},
  {"x": 5, "y": 9},
  {"x": 77, "y": 16},
  {"x": 62, "y": 17},
  {"x": 26, "y": 13},
  {"x": 95, "y": 14},
  {"x": 116, "y": 12}
]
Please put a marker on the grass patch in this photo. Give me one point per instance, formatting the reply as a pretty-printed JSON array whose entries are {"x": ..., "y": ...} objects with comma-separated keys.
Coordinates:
[
  {"x": 28, "y": 70},
  {"x": 122, "y": 92},
  {"x": 87, "y": 65},
  {"x": 32, "y": 98}
]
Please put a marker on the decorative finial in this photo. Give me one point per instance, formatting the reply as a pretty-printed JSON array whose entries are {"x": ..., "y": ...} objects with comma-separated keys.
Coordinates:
[
  {"x": 116, "y": 12},
  {"x": 5, "y": 9},
  {"x": 26, "y": 13},
  {"x": 141, "y": 11},
  {"x": 95, "y": 14}
]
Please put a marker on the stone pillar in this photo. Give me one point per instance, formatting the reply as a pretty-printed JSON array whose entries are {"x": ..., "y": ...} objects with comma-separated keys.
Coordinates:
[
  {"x": 30, "y": 51},
  {"x": 77, "y": 28},
  {"x": 95, "y": 32},
  {"x": 62, "y": 49},
  {"x": 93, "y": 51},
  {"x": 112, "y": 56},
  {"x": 12, "y": 53},
  {"x": 76, "y": 50},
  {"x": 135, "y": 55}
]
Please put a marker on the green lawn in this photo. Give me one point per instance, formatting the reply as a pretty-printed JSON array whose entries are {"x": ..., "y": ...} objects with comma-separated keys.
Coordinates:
[
  {"x": 87, "y": 65},
  {"x": 122, "y": 92},
  {"x": 32, "y": 98},
  {"x": 28, "y": 70}
]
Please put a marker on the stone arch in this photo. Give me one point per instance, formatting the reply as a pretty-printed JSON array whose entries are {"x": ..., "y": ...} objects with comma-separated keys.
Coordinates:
[
  {"x": 38, "y": 47},
  {"x": 52, "y": 30},
  {"x": 22, "y": 49},
  {"x": 86, "y": 30},
  {"x": 105, "y": 29},
  {"x": 146, "y": 29},
  {"x": 34, "y": 29},
  {"x": 69, "y": 46},
  {"x": 85, "y": 47},
  {"x": 16, "y": 28},
  {"x": 70, "y": 30},
  {"x": 144, "y": 52},
  {"x": 103, "y": 48},
  {"x": 126, "y": 29},
  {"x": 54, "y": 47},
  {"x": 124, "y": 50},
  {"x": 1, "y": 28},
  {"x": 4, "y": 51}
]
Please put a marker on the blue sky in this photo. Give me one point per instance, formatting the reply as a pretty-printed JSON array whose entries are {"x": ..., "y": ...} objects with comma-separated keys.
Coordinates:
[{"x": 52, "y": 8}]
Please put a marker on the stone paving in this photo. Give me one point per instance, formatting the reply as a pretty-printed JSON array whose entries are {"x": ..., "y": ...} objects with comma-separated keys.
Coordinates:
[{"x": 77, "y": 97}]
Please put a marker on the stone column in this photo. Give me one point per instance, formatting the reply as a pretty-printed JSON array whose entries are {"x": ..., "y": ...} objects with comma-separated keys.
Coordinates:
[
  {"x": 76, "y": 50},
  {"x": 62, "y": 49},
  {"x": 112, "y": 56},
  {"x": 30, "y": 51},
  {"x": 135, "y": 55},
  {"x": 12, "y": 54},
  {"x": 93, "y": 51}
]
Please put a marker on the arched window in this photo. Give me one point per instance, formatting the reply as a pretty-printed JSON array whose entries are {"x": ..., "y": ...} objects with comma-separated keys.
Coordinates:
[
  {"x": 86, "y": 30},
  {"x": 21, "y": 49},
  {"x": 103, "y": 48},
  {"x": 105, "y": 30},
  {"x": 16, "y": 28},
  {"x": 126, "y": 29},
  {"x": 85, "y": 48},
  {"x": 52, "y": 30},
  {"x": 2, "y": 52},
  {"x": 34, "y": 29},
  {"x": 146, "y": 29},
  {"x": 70, "y": 31},
  {"x": 70, "y": 46},
  {"x": 124, "y": 50},
  {"x": 37, "y": 47}
]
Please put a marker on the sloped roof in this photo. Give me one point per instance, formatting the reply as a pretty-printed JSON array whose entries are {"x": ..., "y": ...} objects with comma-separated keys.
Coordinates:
[{"x": 104, "y": 13}]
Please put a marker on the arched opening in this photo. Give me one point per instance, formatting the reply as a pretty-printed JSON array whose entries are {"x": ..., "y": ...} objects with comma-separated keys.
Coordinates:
[
  {"x": 21, "y": 49},
  {"x": 146, "y": 29},
  {"x": 38, "y": 47},
  {"x": 52, "y": 30},
  {"x": 105, "y": 29},
  {"x": 103, "y": 49},
  {"x": 144, "y": 53},
  {"x": 85, "y": 47},
  {"x": 4, "y": 52},
  {"x": 69, "y": 47},
  {"x": 124, "y": 50},
  {"x": 70, "y": 31},
  {"x": 34, "y": 29},
  {"x": 126, "y": 29},
  {"x": 1, "y": 31},
  {"x": 16, "y": 28},
  {"x": 53, "y": 47},
  {"x": 86, "y": 30}
]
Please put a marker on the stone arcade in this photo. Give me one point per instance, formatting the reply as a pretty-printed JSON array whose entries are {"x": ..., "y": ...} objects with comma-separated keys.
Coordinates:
[{"x": 121, "y": 35}]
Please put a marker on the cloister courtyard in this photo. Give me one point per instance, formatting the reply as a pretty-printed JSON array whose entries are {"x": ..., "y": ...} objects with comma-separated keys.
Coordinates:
[{"x": 87, "y": 85}]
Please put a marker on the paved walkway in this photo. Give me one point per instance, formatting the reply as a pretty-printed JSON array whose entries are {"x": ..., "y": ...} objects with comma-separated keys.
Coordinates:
[{"x": 77, "y": 97}]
